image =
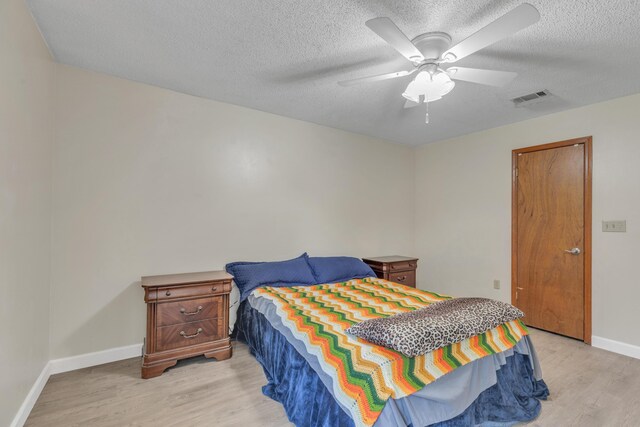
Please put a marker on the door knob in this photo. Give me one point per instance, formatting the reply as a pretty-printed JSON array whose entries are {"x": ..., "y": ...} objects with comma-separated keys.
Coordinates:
[{"x": 573, "y": 251}]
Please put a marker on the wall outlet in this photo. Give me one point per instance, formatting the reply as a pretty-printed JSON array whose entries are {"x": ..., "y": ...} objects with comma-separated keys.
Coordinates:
[
  {"x": 496, "y": 284},
  {"x": 614, "y": 226}
]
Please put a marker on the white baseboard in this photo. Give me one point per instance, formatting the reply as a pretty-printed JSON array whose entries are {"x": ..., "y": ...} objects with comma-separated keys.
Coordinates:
[
  {"x": 32, "y": 397},
  {"x": 86, "y": 360},
  {"x": 616, "y": 346},
  {"x": 65, "y": 364}
]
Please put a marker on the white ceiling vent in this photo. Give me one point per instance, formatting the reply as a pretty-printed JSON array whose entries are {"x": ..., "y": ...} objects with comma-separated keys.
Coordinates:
[{"x": 530, "y": 99}]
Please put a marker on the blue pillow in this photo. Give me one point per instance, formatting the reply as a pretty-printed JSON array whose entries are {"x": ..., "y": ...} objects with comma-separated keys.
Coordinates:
[
  {"x": 334, "y": 269},
  {"x": 251, "y": 275}
]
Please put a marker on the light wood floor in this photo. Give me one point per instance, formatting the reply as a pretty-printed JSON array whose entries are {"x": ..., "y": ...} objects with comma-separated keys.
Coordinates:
[{"x": 589, "y": 387}]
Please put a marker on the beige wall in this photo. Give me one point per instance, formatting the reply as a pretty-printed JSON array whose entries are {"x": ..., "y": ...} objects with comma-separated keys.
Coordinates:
[
  {"x": 149, "y": 181},
  {"x": 463, "y": 209},
  {"x": 26, "y": 79}
]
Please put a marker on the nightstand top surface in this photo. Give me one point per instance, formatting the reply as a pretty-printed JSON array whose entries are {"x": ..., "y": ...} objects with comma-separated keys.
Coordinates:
[
  {"x": 390, "y": 258},
  {"x": 185, "y": 278}
]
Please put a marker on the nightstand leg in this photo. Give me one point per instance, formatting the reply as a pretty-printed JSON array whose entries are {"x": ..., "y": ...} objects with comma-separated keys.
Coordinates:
[
  {"x": 155, "y": 370},
  {"x": 220, "y": 354}
]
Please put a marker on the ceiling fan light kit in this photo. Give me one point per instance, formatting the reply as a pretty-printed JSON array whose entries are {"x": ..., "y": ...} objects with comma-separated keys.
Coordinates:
[
  {"x": 429, "y": 86},
  {"x": 429, "y": 51}
]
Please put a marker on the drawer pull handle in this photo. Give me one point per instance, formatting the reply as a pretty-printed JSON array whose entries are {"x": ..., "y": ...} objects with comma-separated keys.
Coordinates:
[
  {"x": 401, "y": 279},
  {"x": 213, "y": 289},
  {"x": 184, "y": 311},
  {"x": 184, "y": 334},
  {"x": 168, "y": 293},
  {"x": 411, "y": 265}
]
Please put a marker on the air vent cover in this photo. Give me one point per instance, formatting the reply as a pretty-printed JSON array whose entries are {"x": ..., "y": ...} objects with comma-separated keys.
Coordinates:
[{"x": 532, "y": 98}]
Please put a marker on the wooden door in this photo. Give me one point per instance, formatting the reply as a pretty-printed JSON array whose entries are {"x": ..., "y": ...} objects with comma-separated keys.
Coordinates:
[{"x": 551, "y": 251}]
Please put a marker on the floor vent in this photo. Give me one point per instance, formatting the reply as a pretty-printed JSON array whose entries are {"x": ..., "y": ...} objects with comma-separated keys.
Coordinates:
[{"x": 532, "y": 98}]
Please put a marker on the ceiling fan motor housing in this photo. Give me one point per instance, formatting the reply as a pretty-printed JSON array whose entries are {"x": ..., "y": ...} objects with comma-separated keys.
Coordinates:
[{"x": 432, "y": 45}]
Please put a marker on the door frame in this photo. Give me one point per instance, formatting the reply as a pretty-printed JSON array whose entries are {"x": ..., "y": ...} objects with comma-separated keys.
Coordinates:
[{"x": 588, "y": 165}]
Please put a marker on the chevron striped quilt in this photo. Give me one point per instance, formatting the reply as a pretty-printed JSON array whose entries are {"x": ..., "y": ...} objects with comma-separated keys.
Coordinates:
[{"x": 364, "y": 375}]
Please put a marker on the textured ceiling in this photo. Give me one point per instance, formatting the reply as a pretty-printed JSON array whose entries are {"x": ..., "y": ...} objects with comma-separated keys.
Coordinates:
[{"x": 286, "y": 56}]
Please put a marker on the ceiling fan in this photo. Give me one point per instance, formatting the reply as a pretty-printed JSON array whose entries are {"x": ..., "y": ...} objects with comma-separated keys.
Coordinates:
[{"x": 430, "y": 51}]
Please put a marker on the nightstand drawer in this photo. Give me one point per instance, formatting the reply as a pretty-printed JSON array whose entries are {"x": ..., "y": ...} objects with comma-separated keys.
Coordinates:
[
  {"x": 401, "y": 266},
  {"x": 187, "y": 334},
  {"x": 200, "y": 290},
  {"x": 172, "y": 313},
  {"x": 404, "y": 277}
]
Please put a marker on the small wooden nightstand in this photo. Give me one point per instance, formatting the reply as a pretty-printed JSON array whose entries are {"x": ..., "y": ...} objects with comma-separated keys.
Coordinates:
[
  {"x": 395, "y": 268},
  {"x": 187, "y": 315}
]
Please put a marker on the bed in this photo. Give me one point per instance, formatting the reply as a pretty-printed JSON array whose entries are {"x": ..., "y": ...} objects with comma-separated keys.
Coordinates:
[{"x": 294, "y": 323}]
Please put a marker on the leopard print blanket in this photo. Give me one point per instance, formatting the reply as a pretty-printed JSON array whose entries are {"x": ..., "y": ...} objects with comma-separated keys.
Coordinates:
[{"x": 437, "y": 325}]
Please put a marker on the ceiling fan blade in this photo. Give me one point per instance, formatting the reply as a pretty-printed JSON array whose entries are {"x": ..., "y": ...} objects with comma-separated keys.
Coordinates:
[
  {"x": 483, "y": 77},
  {"x": 519, "y": 18},
  {"x": 385, "y": 28},
  {"x": 377, "y": 78},
  {"x": 410, "y": 104}
]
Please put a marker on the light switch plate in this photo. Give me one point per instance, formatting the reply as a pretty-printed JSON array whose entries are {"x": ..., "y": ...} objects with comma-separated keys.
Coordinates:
[
  {"x": 496, "y": 284},
  {"x": 615, "y": 226}
]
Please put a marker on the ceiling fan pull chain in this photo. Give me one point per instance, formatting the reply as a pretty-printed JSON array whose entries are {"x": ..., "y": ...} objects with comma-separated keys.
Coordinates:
[{"x": 427, "y": 104}]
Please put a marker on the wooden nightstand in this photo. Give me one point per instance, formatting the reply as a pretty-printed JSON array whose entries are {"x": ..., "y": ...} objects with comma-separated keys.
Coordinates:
[
  {"x": 395, "y": 268},
  {"x": 187, "y": 315}
]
